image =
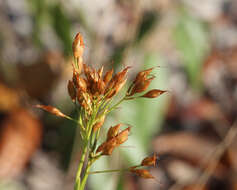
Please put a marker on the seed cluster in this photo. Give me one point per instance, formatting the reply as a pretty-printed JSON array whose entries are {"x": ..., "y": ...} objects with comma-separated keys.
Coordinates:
[{"x": 93, "y": 91}]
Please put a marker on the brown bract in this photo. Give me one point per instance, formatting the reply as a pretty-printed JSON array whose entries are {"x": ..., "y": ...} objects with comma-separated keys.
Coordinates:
[
  {"x": 78, "y": 46},
  {"x": 52, "y": 110},
  {"x": 149, "y": 161},
  {"x": 142, "y": 75},
  {"x": 108, "y": 76},
  {"x": 71, "y": 90},
  {"x": 141, "y": 82},
  {"x": 116, "y": 83},
  {"x": 113, "y": 131},
  {"x": 78, "y": 49},
  {"x": 123, "y": 136},
  {"x": 99, "y": 124},
  {"x": 90, "y": 85},
  {"x": 142, "y": 173},
  {"x": 112, "y": 141},
  {"x": 153, "y": 93}
]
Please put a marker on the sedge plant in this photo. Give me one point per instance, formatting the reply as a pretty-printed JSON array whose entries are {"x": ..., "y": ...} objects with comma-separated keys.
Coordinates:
[{"x": 93, "y": 94}]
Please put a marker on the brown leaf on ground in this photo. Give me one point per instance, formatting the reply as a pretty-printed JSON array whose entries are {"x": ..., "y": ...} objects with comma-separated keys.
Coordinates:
[
  {"x": 193, "y": 149},
  {"x": 20, "y": 137}
]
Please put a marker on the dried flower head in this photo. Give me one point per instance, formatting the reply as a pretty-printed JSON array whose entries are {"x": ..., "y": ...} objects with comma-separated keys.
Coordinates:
[
  {"x": 114, "y": 139},
  {"x": 93, "y": 93},
  {"x": 113, "y": 131},
  {"x": 153, "y": 93},
  {"x": 142, "y": 173},
  {"x": 52, "y": 110},
  {"x": 99, "y": 123},
  {"x": 78, "y": 46},
  {"x": 149, "y": 161}
]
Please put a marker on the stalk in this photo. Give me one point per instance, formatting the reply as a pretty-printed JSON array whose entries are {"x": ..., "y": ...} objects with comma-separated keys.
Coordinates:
[
  {"x": 78, "y": 176},
  {"x": 84, "y": 180}
]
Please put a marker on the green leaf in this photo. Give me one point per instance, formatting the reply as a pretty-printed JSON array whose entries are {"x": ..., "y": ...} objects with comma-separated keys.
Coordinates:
[
  {"x": 147, "y": 23},
  {"x": 191, "y": 40},
  {"x": 61, "y": 24}
]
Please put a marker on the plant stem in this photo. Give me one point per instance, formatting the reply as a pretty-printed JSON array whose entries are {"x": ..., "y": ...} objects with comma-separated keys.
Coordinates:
[
  {"x": 114, "y": 106},
  {"x": 84, "y": 180},
  {"x": 106, "y": 171},
  {"x": 78, "y": 179}
]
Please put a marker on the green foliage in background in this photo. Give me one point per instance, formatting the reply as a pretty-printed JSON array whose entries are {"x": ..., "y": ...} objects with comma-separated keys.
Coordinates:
[{"x": 190, "y": 36}]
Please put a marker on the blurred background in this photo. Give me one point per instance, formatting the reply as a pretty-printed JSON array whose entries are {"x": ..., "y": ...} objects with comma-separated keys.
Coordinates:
[{"x": 192, "y": 128}]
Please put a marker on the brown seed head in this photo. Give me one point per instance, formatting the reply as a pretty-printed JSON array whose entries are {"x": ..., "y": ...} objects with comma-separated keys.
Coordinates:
[
  {"x": 71, "y": 90},
  {"x": 100, "y": 72},
  {"x": 149, "y": 161},
  {"x": 122, "y": 136},
  {"x": 75, "y": 78},
  {"x": 100, "y": 86},
  {"x": 52, "y": 110},
  {"x": 115, "y": 88},
  {"x": 108, "y": 76},
  {"x": 99, "y": 124},
  {"x": 120, "y": 85},
  {"x": 153, "y": 93},
  {"x": 142, "y": 75},
  {"x": 142, "y": 173},
  {"x": 78, "y": 46},
  {"x": 120, "y": 75},
  {"x": 82, "y": 83},
  {"x": 116, "y": 83},
  {"x": 113, "y": 131},
  {"x": 141, "y": 86},
  {"x": 107, "y": 147}
]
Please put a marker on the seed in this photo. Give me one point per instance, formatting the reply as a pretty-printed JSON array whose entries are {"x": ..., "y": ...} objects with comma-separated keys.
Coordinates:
[{"x": 153, "y": 93}]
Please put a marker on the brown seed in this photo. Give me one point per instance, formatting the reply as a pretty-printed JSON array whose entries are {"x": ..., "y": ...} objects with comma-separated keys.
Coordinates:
[
  {"x": 141, "y": 86},
  {"x": 52, "y": 110},
  {"x": 78, "y": 46},
  {"x": 149, "y": 161},
  {"x": 88, "y": 72},
  {"x": 142, "y": 173},
  {"x": 116, "y": 88},
  {"x": 82, "y": 83},
  {"x": 120, "y": 75},
  {"x": 78, "y": 49},
  {"x": 142, "y": 75},
  {"x": 122, "y": 136},
  {"x": 113, "y": 131},
  {"x": 87, "y": 99},
  {"x": 100, "y": 72},
  {"x": 94, "y": 75},
  {"x": 108, "y": 76},
  {"x": 153, "y": 93},
  {"x": 71, "y": 90},
  {"x": 119, "y": 86},
  {"x": 107, "y": 147},
  {"x": 99, "y": 123},
  {"x": 100, "y": 86},
  {"x": 75, "y": 78}
]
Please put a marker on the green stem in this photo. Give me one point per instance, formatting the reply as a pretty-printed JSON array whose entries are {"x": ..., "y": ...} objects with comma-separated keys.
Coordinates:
[
  {"x": 107, "y": 171},
  {"x": 78, "y": 179},
  {"x": 114, "y": 106},
  {"x": 84, "y": 180},
  {"x": 71, "y": 119}
]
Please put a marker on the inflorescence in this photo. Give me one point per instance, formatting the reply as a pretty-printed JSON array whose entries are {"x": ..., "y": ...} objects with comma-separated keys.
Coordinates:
[{"x": 93, "y": 94}]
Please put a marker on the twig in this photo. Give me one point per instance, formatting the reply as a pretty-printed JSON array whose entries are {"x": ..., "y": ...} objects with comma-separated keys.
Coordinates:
[{"x": 216, "y": 156}]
